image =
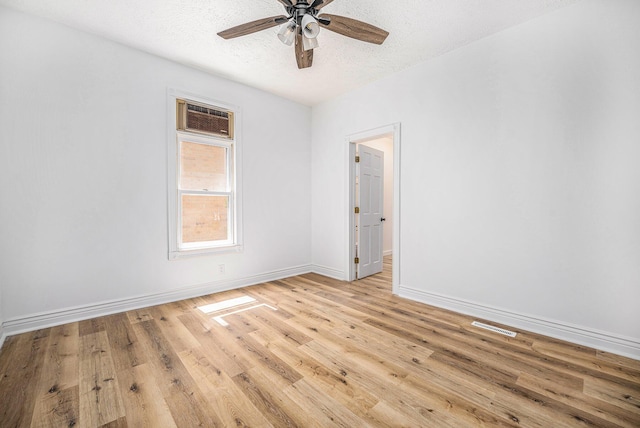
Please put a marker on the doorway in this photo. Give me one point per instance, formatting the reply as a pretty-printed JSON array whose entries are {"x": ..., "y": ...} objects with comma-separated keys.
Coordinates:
[{"x": 377, "y": 138}]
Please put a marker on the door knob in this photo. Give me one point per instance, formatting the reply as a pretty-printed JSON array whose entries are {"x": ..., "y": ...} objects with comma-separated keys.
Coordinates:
[{"x": 383, "y": 219}]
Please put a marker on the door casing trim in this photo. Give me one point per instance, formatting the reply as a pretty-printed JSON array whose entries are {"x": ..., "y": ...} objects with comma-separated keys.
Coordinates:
[{"x": 351, "y": 140}]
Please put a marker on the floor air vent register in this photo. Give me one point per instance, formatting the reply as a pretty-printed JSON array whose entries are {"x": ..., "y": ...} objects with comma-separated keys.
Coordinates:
[{"x": 494, "y": 329}]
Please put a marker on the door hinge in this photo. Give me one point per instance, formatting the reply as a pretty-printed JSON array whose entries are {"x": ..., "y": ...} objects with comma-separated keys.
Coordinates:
[
  {"x": 357, "y": 210},
  {"x": 357, "y": 159},
  {"x": 356, "y": 260}
]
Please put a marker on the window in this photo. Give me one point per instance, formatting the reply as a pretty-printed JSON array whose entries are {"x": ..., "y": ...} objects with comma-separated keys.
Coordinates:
[{"x": 203, "y": 177}]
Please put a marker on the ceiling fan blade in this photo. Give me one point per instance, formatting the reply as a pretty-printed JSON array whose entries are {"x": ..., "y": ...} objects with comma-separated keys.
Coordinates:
[
  {"x": 286, "y": 3},
  {"x": 252, "y": 27},
  {"x": 322, "y": 4},
  {"x": 303, "y": 58},
  {"x": 354, "y": 28}
]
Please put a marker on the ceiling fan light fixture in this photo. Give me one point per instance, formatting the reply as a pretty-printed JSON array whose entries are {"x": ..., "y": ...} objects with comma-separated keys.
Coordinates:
[
  {"x": 309, "y": 43},
  {"x": 287, "y": 33},
  {"x": 301, "y": 25},
  {"x": 310, "y": 26}
]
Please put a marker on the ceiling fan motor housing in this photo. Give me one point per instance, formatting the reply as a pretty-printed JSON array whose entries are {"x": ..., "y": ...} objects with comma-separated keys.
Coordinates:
[{"x": 300, "y": 9}]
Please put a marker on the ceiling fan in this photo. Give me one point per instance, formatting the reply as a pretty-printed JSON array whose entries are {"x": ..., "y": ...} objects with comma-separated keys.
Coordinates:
[{"x": 302, "y": 25}]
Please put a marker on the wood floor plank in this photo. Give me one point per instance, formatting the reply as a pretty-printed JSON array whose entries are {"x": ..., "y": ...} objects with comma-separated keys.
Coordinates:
[
  {"x": 452, "y": 409},
  {"x": 330, "y": 382},
  {"x": 222, "y": 393},
  {"x": 20, "y": 378},
  {"x": 390, "y": 346},
  {"x": 588, "y": 361},
  {"x": 188, "y": 406},
  {"x": 441, "y": 375},
  {"x": 621, "y": 395},
  {"x": 361, "y": 358},
  {"x": 59, "y": 409},
  {"x": 175, "y": 331},
  {"x": 279, "y": 410},
  {"x": 12, "y": 344},
  {"x": 224, "y": 339},
  {"x": 266, "y": 320},
  {"x": 468, "y": 363},
  {"x": 139, "y": 315},
  {"x": 322, "y": 408},
  {"x": 384, "y": 415},
  {"x": 90, "y": 326},
  {"x": 617, "y": 360},
  {"x": 99, "y": 394},
  {"x": 266, "y": 360},
  {"x": 202, "y": 331},
  {"x": 118, "y": 423},
  {"x": 384, "y": 384},
  {"x": 144, "y": 403},
  {"x": 57, "y": 389},
  {"x": 322, "y": 353},
  {"x": 569, "y": 396},
  {"x": 126, "y": 350},
  {"x": 308, "y": 321},
  {"x": 476, "y": 399},
  {"x": 532, "y": 409}
]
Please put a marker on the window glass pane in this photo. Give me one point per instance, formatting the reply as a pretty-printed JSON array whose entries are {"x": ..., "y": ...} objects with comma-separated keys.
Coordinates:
[
  {"x": 203, "y": 167},
  {"x": 204, "y": 218}
]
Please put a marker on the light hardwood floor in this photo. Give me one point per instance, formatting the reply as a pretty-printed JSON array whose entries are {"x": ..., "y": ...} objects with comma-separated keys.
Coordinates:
[{"x": 330, "y": 354}]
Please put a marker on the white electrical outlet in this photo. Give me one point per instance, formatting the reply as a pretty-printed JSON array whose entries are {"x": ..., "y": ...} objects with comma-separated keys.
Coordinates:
[{"x": 221, "y": 268}]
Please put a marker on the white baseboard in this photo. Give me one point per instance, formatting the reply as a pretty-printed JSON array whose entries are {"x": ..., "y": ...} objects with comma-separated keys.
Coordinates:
[
  {"x": 49, "y": 319},
  {"x": 3, "y": 336},
  {"x": 330, "y": 272},
  {"x": 604, "y": 341}
]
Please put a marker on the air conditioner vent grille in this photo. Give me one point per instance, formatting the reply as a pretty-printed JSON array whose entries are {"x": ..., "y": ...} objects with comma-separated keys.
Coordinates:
[
  {"x": 203, "y": 119},
  {"x": 207, "y": 110}
]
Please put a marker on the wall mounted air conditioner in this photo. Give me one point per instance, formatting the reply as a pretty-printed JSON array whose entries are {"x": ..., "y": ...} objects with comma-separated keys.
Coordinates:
[{"x": 194, "y": 117}]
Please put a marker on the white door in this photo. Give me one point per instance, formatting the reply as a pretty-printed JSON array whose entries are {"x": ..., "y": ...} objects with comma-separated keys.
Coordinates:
[{"x": 369, "y": 199}]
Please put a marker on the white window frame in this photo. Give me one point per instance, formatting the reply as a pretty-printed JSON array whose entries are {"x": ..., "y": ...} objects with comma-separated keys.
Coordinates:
[{"x": 176, "y": 248}]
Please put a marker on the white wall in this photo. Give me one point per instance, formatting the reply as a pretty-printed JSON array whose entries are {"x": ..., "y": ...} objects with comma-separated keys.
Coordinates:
[
  {"x": 520, "y": 185},
  {"x": 385, "y": 144},
  {"x": 83, "y": 164},
  {"x": 2, "y": 334}
]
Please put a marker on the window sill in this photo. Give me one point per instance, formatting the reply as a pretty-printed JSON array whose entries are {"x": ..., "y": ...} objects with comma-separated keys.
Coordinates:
[{"x": 176, "y": 255}]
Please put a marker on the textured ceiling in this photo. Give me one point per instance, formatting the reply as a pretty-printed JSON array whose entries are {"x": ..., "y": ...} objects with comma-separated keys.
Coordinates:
[{"x": 185, "y": 31}]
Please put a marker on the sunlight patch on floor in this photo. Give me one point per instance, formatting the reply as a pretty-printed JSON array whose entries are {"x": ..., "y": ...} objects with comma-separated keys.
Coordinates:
[
  {"x": 226, "y": 304},
  {"x": 223, "y": 323},
  {"x": 231, "y": 304}
]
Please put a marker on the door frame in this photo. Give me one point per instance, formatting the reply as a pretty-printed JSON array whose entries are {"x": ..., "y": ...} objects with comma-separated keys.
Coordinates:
[{"x": 362, "y": 137}]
